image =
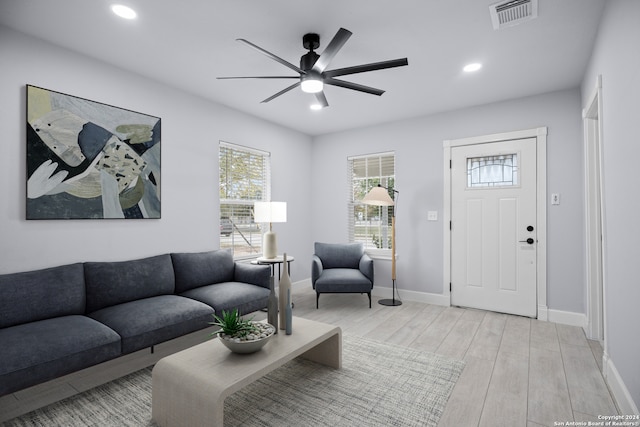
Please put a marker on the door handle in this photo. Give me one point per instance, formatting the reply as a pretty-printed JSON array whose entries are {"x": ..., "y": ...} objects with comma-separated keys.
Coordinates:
[{"x": 529, "y": 241}]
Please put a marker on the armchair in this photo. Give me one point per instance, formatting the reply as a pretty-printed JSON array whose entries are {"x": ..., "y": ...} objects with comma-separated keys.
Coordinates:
[{"x": 341, "y": 268}]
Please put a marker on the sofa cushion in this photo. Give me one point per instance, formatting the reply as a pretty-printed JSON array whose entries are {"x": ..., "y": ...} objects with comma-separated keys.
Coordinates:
[
  {"x": 40, "y": 351},
  {"x": 204, "y": 268},
  {"x": 339, "y": 255},
  {"x": 111, "y": 283},
  {"x": 229, "y": 295},
  {"x": 41, "y": 294},
  {"x": 150, "y": 321},
  {"x": 343, "y": 280}
]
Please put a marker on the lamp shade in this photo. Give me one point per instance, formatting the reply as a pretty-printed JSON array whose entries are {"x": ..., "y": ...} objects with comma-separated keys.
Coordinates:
[
  {"x": 270, "y": 212},
  {"x": 378, "y": 196}
]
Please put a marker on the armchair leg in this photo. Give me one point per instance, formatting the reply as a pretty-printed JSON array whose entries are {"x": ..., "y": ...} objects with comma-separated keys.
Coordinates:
[
  {"x": 317, "y": 298},
  {"x": 369, "y": 295}
]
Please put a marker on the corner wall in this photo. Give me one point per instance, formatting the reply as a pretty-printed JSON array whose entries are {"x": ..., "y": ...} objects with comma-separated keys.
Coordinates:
[
  {"x": 615, "y": 58},
  {"x": 191, "y": 129}
]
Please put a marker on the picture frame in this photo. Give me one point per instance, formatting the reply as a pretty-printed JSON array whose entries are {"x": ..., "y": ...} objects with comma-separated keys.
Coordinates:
[{"x": 90, "y": 160}]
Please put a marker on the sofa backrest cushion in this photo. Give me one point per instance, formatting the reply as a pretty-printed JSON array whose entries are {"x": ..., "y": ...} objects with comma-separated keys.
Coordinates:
[
  {"x": 339, "y": 255},
  {"x": 41, "y": 294},
  {"x": 112, "y": 283},
  {"x": 203, "y": 268}
]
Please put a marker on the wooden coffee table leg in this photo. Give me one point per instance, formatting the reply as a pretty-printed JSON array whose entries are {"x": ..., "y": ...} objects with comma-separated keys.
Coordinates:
[
  {"x": 328, "y": 352},
  {"x": 179, "y": 401}
]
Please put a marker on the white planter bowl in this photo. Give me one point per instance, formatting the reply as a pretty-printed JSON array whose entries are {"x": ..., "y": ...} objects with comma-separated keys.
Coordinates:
[{"x": 248, "y": 346}]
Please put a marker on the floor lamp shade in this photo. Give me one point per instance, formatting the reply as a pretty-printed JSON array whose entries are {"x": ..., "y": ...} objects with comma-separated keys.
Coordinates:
[
  {"x": 379, "y": 196},
  {"x": 269, "y": 212}
]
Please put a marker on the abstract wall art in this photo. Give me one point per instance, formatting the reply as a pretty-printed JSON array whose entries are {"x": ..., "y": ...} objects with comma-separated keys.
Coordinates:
[{"x": 88, "y": 160}]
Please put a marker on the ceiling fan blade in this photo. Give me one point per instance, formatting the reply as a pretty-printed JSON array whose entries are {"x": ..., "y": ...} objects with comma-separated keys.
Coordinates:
[
  {"x": 272, "y": 56},
  {"x": 367, "y": 67},
  {"x": 354, "y": 86},
  {"x": 332, "y": 49},
  {"x": 322, "y": 100},
  {"x": 259, "y": 77},
  {"x": 283, "y": 91}
]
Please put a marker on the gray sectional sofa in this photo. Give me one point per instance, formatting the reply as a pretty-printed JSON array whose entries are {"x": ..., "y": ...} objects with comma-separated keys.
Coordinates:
[{"x": 62, "y": 319}]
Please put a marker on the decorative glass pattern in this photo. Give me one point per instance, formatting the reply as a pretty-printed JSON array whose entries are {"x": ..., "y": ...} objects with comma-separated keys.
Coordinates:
[{"x": 492, "y": 171}]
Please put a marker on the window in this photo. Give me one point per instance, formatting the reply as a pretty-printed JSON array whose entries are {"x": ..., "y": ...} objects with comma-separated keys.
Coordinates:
[
  {"x": 492, "y": 171},
  {"x": 368, "y": 224},
  {"x": 245, "y": 177}
]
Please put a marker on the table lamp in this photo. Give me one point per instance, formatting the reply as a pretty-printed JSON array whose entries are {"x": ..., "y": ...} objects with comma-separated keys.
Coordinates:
[
  {"x": 269, "y": 212},
  {"x": 379, "y": 196}
]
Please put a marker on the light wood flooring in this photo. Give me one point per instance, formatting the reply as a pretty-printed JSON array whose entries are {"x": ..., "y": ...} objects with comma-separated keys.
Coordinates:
[{"x": 519, "y": 371}]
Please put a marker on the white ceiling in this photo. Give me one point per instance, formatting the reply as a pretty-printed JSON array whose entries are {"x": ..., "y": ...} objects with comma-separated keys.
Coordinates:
[{"x": 188, "y": 43}]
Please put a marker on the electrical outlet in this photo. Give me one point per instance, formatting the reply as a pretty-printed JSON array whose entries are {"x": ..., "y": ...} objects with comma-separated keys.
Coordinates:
[
  {"x": 432, "y": 215},
  {"x": 555, "y": 199}
]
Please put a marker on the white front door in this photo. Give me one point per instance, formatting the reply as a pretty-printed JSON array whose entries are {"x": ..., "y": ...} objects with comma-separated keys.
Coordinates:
[{"x": 494, "y": 226}]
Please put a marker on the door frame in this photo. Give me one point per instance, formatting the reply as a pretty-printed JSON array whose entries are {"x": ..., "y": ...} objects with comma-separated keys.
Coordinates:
[
  {"x": 540, "y": 136},
  {"x": 594, "y": 207}
]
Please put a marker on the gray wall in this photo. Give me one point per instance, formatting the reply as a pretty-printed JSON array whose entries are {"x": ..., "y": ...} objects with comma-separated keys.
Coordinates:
[
  {"x": 191, "y": 129},
  {"x": 420, "y": 180},
  {"x": 616, "y": 58}
]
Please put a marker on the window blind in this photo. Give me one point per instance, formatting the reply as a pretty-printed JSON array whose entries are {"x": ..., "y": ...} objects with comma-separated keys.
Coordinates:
[
  {"x": 245, "y": 177},
  {"x": 368, "y": 224}
]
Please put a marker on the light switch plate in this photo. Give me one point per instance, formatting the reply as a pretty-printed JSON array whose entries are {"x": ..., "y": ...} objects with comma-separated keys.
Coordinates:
[{"x": 432, "y": 216}]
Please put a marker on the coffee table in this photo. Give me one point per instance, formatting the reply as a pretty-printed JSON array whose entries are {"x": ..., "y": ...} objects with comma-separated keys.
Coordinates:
[{"x": 189, "y": 387}]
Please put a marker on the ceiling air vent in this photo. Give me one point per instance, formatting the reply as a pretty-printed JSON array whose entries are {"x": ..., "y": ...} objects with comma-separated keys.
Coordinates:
[{"x": 512, "y": 12}]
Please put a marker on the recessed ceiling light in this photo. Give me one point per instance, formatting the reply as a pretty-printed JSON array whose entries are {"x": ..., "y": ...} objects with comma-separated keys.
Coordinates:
[
  {"x": 469, "y": 68},
  {"x": 124, "y": 11},
  {"x": 316, "y": 106}
]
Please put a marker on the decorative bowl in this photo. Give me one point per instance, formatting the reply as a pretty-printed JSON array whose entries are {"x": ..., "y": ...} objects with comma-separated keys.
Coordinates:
[{"x": 250, "y": 343}]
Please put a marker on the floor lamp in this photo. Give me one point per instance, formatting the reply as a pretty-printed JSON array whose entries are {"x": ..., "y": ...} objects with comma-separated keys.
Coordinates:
[{"x": 379, "y": 196}]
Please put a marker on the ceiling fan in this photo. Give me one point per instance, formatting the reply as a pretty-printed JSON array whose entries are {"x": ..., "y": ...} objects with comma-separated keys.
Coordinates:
[{"x": 313, "y": 73}]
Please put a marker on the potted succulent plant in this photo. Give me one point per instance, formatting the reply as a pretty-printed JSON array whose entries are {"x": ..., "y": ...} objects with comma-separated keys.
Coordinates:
[{"x": 241, "y": 335}]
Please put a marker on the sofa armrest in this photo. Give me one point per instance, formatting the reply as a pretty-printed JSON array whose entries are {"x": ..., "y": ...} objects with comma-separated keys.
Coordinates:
[
  {"x": 316, "y": 269},
  {"x": 366, "y": 267},
  {"x": 259, "y": 275}
]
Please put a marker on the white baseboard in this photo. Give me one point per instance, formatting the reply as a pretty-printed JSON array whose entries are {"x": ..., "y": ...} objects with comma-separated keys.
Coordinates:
[
  {"x": 425, "y": 297},
  {"x": 567, "y": 318},
  {"x": 544, "y": 313},
  {"x": 619, "y": 390}
]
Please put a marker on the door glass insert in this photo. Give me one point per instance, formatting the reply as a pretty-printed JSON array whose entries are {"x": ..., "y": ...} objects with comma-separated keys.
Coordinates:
[{"x": 492, "y": 171}]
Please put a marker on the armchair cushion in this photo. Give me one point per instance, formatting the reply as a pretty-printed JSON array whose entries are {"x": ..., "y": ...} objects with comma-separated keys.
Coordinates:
[
  {"x": 339, "y": 255},
  {"x": 347, "y": 280}
]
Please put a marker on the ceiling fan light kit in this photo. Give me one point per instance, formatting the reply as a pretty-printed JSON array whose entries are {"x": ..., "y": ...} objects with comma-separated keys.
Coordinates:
[
  {"x": 313, "y": 74},
  {"x": 311, "y": 83}
]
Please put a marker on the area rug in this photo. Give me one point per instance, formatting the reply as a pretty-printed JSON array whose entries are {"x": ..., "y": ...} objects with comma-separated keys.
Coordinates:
[{"x": 378, "y": 385}]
